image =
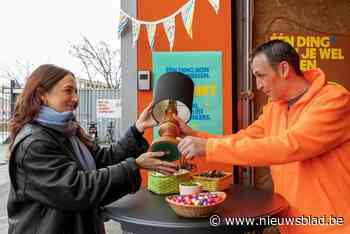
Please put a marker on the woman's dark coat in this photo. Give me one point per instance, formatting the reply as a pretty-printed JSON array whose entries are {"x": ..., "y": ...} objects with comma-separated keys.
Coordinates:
[{"x": 51, "y": 192}]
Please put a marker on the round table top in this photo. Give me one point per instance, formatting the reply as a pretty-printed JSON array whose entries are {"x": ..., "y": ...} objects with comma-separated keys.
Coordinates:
[{"x": 145, "y": 210}]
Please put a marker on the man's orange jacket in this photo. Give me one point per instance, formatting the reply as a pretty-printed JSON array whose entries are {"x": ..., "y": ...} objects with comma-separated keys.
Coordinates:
[{"x": 308, "y": 149}]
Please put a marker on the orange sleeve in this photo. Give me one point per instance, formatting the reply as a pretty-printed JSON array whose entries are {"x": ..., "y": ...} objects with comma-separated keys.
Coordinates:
[{"x": 324, "y": 126}]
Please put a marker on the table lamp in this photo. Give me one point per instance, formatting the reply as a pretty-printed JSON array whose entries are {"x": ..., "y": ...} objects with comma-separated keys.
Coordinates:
[{"x": 173, "y": 95}]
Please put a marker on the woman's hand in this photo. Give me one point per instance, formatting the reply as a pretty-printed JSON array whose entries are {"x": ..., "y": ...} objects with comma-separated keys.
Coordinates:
[
  {"x": 150, "y": 161},
  {"x": 146, "y": 120},
  {"x": 184, "y": 128}
]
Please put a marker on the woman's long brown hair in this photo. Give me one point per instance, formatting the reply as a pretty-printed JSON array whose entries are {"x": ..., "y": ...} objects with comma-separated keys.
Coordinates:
[{"x": 29, "y": 102}]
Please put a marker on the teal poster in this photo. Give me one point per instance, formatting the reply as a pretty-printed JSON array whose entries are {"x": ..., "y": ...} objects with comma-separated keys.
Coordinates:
[{"x": 205, "y": 69}]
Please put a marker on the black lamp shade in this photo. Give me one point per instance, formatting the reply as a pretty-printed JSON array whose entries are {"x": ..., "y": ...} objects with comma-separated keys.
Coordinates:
[{"x": 173, "y": 86}]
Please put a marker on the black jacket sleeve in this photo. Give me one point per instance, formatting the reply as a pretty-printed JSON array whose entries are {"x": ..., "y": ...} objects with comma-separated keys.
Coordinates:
[
  {"x": 54, "y": 178},
  {"x": 132, "y": 144}
]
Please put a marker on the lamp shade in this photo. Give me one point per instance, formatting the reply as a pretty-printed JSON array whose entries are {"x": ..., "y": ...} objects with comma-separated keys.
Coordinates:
[{"x": 173, "y": 87}]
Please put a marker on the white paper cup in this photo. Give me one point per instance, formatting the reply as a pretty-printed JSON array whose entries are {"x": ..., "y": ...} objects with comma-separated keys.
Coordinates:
[{"x": 190, "y": 189}]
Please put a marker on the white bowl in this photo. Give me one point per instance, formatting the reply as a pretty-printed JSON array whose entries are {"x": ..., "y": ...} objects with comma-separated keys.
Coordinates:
[{"x": 190, "y": 189}]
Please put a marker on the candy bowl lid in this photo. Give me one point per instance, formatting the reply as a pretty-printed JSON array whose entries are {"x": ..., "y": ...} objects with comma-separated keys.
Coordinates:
[{"x": 196, "y": 205}]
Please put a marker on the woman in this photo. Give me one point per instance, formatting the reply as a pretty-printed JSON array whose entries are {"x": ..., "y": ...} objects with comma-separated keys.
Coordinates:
[{"x": 59, "y": 179}]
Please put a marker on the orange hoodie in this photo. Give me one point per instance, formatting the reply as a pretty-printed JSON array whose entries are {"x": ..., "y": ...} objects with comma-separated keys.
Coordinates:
[{"x": 308, "y": 149}]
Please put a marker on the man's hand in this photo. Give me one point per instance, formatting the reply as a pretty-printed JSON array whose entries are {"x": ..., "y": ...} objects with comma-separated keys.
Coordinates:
[
  {"x": 184, "y": 128},
  {"x": 146, "y": 120},
  {"x": 192, "y": 146}
]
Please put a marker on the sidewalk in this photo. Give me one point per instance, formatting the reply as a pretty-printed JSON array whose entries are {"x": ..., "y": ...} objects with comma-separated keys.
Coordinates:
[
  {"x": 4, "y": 190},
  {"x": 3, "y": 152}
]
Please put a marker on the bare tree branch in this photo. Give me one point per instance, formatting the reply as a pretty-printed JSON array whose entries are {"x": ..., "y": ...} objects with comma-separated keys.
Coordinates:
[
  {"x": 99, "y": 58},
  {"x": 18, "y": 72}
]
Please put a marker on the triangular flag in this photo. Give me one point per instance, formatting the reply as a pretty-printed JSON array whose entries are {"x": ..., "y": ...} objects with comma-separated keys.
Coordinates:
[
  {"x": 135, "y": 32},
  {"x": 123, "y": 23},
  {"x": 169, "y": 27},
  {"x": 151, "y": 30},
  {"x": 215, "y": 4},
  {"x": 187, "y": 16}
]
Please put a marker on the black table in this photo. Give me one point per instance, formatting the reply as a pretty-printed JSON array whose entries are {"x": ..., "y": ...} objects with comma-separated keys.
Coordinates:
[{"x": 146, "y": 212}]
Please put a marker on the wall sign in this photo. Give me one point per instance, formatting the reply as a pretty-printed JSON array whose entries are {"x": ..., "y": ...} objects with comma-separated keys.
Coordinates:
[{"x": 205, "y": 69}]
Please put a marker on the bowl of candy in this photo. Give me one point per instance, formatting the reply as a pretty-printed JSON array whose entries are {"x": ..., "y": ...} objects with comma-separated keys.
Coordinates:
[{"x": 197, "y": 205}]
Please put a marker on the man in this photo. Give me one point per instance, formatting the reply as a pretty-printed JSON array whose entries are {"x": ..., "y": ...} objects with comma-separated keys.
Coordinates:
[{"x": 303, "y": 134}]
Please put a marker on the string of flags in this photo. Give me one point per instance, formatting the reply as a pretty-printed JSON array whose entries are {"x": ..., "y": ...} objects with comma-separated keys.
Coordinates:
[{"x": 186, "y": 11}]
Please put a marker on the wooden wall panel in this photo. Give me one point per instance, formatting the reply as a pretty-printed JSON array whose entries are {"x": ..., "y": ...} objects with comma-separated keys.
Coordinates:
[{"x": 302, "y": 16}]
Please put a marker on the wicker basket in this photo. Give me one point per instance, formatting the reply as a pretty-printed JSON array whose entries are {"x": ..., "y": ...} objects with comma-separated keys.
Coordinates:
[
  {"x": 214, "y": 184},
  {"x": 162, "y": 184},
  {"x": 193, "y": 211}
]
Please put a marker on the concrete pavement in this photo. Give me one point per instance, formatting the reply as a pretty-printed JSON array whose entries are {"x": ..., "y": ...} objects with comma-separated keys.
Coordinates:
[
  {"x": 3, "y": 154},
  {"x": 4, "y": 190}
]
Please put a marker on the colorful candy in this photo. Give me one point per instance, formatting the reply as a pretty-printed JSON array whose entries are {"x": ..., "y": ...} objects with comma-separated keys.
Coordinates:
[{"x": 201, "y": 199}]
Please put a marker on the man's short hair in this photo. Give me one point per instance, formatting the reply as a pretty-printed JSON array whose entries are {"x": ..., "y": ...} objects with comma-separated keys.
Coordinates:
[{"x": 277, "y": 51}]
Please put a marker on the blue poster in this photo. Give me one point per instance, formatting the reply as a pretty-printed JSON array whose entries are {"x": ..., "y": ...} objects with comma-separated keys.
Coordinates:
[{"x": 205, "y": 69}]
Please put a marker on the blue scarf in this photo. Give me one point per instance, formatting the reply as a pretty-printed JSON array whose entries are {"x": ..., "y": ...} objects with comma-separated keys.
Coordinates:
[{"x": 64, "y": 123}]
